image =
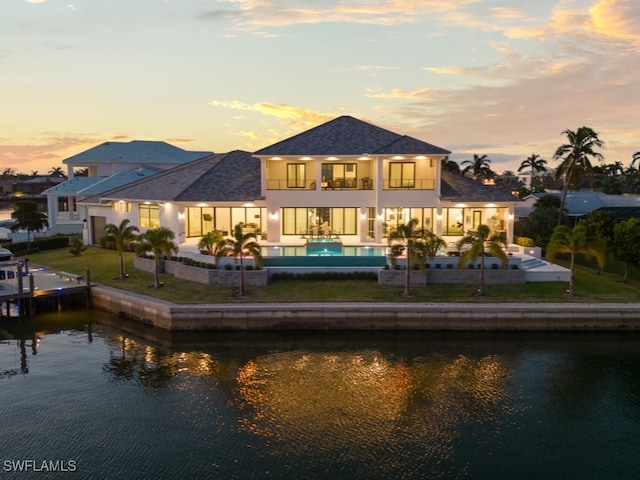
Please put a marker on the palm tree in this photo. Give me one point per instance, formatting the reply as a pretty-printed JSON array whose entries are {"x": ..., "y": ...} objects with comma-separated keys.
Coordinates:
[
  {"x": 480, "y": 167},
  {"x": 575, "y": 157},
  {"x": 57, "y": 172},
  {"x": 572, "y": 241},
  {"x": 28, "y": 218},
  {"x": 119, "y": 236},
  {"x": 626, "y": 238},
  {"x": 450, "y": 165},
  {"x": 417, "y": 243},
  {"x": 535, "y": 164},
  {"x": 238, "y": 247},
  {"x": 212, "y": 242},
  {"x": 614, "y": 169},
  {"x": 160, "y": 242},
  {"x": 479, "y": 244},
  {"x": 635, "y": 158}
]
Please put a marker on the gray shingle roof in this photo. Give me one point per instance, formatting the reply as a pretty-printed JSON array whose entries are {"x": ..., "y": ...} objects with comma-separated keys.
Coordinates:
[
  {"x": 458, "y": 188},
  {"x": 137, "y": 151},
  {"x": 349, "y": 136},
  {"x": 232, "y": 177}
]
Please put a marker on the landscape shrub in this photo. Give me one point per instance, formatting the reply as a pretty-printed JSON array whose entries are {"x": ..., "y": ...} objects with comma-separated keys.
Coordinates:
[{"x": 524, "y": 241}]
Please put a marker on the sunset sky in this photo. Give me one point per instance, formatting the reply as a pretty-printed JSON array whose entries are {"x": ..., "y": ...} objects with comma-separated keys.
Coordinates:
[{"x": 497, "y": 77}]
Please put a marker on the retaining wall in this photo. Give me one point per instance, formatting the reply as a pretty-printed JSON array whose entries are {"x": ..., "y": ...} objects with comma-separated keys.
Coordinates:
[{"x": 368, "y": 316}]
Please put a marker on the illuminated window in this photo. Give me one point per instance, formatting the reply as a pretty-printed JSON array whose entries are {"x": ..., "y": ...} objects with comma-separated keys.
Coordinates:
[
  {"x": 149, "y": 216},
  {"x": 402, "y": 175},
  {"x": 296, "y": 175},
  {"x": 124, "y": 207}
]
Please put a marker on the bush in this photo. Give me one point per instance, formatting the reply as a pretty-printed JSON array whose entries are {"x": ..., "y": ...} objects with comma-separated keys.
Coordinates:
[
  {"x": 524, "y": 241},
  {"x": 325, "y": 276},
  {"x": 77, "y": 247},
  {"x": 49, "y": 243}
]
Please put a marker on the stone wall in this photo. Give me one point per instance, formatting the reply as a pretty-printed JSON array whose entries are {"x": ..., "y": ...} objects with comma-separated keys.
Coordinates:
[
  {"x": 252, "y": 278},
  {"x": 207, "y": 276},
  {"x": 451, "y": 276}
]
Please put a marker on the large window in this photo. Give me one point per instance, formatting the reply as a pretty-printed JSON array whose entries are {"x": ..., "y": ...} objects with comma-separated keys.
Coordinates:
[
  {"x": 149, "y": 215},
  {"x": 202, "y": 220},
  {"x": 340, "y": 175},
  {"x": 400, "y": 216},
  {"x": 402, "y": 175},
  {"x": 296, "y": 175},
  {"x": 452, "y": 221},
  {"x": 300, "y": 221}
]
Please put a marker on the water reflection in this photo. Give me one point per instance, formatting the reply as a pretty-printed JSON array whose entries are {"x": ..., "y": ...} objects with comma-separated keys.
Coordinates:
[{"x": 321, "y": 405}]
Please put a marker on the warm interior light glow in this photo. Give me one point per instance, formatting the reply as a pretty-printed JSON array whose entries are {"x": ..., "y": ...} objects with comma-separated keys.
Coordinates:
[
  {"x": 421, "y": 157},
  {"x": 398, "y": 157},
  {"x": 332, "y": 158},
  {"x": 249, "y": 204},
  {"x": 305, "y": 158},
  {"x": 276, "y": 158},
  {"x": 202, "y": 204}
]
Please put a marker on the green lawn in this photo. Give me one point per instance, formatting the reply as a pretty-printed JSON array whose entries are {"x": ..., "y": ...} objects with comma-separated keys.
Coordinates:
[{"x": 104, "y": 269}]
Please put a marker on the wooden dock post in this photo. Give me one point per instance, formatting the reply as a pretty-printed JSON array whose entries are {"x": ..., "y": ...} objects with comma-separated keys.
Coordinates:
[
  {"x": 20, "y": 297},
  {"x": 32, "y": 289},
  {"x": 88, "y": 279}
]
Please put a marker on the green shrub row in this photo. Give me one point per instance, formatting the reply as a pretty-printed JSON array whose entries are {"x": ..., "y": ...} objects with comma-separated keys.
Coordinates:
[
  {"x": 324, "y": 276},
  {"x": 50, "y": 243}
]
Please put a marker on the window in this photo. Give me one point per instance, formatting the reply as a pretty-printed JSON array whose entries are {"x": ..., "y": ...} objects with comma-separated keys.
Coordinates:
[
  {"x": 149, "y": 216},
  {"x": 402, "y": 175},
  {"x": 340, "y": 175},
  {"x": 295, "y": 175},
  {"x": 299, "y": 221},
  {"x": 122, "y": 206},
  {"x": 452, "y": 221}
]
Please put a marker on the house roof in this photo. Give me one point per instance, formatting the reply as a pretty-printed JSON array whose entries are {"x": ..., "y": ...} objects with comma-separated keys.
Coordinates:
[
  {"x": 94, "y": 185},
  {"x": 456, "y": 188},
  {"x": 232, "y": 177},
  {"x": 347, "y": 135},
  {"x": 73, "y": 186},
  {"x": 137, "y": 151}
]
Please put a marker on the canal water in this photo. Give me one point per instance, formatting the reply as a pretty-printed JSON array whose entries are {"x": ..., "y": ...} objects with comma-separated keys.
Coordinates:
[{"x": 87, "y": 395}]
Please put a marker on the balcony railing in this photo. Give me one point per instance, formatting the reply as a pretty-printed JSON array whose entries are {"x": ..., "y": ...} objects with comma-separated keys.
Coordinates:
[
  {"x": 409, "y": 184},
  {"x": 364, "y": 183}
]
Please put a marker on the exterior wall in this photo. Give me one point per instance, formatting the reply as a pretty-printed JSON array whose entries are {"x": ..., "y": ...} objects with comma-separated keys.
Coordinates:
[{"x": 451, "y": 276}]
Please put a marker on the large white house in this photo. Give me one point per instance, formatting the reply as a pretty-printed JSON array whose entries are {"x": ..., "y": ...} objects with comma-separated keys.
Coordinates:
[{"x": 343, "y": 178}]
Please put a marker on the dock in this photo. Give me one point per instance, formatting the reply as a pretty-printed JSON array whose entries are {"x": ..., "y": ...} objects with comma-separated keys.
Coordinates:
[{"x": 25, "y": 288}]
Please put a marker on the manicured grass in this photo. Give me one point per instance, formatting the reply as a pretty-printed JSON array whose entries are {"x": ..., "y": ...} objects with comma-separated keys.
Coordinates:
[{"x": 104, "y": 269}]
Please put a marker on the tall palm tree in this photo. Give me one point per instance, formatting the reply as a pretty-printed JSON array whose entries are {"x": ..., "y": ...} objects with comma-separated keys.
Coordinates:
[
  {"x": 120, "y": 236},
  {"x": 480, "y": 167},
  {"x": 571, "y": 241},
  {"x": 159, "y": 241},
  {"x": 635, "y": 158},
  {"x": 417, "y": 243},
  {"x": 614, "y": 169},
  {"x": 575, "y": 156},
  {"x": 480, "y": 244},
  {"x": 57, "y": 172},
  {"x": 535, "y": 164},
  {"x": 241, "y": 245}
]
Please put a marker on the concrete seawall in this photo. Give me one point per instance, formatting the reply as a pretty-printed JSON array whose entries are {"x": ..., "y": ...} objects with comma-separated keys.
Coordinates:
[{"x": 368, "y": 316}]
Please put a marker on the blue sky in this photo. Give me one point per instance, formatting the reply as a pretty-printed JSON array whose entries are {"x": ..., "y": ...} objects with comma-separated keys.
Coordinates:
[{"x": 500, "y": 78}]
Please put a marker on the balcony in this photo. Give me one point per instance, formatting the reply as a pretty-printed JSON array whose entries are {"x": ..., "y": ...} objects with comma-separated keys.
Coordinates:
[{"x": 364, "y": 183}]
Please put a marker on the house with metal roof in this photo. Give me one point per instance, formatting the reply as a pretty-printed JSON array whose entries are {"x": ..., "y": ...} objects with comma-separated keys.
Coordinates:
[
  {"x": 109, "y": 165},
  {"x": 345, "y": 178}
]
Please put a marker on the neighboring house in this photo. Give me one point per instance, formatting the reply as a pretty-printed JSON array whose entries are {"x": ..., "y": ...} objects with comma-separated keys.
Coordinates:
[
  {"x": 35, "y": 186},
  {"x": 344, "y": 178},
  {"x": 579, "y": 204},
  {"x": 110, "y": 164}
]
